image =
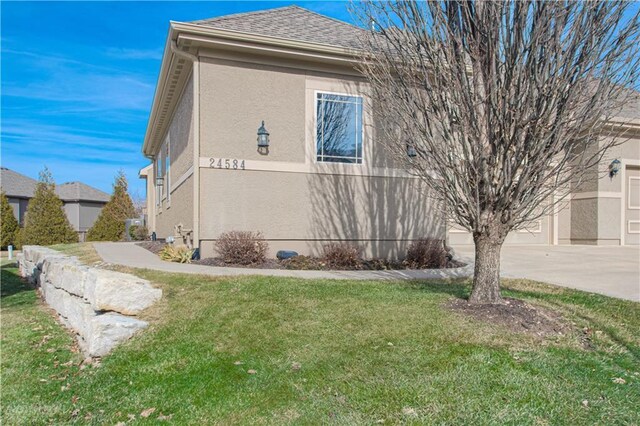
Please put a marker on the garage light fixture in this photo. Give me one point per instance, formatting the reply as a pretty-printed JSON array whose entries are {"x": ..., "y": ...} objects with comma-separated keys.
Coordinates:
[
  {"x": 263, "y": 139},
  {"x": 411, "y": 150},
  {"x": 614, "y": 168}
]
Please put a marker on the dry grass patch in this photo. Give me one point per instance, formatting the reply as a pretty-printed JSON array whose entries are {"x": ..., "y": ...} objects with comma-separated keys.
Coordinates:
[{"x": 85, "y": 252}]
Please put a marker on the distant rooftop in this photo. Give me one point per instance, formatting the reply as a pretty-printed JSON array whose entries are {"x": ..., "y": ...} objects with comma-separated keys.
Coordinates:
[
  {"x": 291, "y": 23},
  {"x": 17, "y": 185}
]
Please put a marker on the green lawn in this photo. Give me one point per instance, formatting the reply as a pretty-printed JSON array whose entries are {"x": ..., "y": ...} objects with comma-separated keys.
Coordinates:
[{"x": 343, "y": 352}]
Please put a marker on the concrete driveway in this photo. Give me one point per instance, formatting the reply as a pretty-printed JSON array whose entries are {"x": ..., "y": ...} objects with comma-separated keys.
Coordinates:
[{"x": 609, "y": 270}]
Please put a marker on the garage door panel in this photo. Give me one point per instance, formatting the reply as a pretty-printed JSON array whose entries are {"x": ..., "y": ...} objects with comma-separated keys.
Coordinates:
[{"x": 632, "y": 206}]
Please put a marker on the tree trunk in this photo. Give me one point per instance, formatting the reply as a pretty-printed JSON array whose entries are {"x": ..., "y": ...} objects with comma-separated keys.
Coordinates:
[{"x": 486, "y": 275}]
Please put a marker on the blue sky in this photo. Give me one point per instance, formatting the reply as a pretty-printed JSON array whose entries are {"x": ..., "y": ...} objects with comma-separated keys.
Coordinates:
[{"x": 78, "y": 80}]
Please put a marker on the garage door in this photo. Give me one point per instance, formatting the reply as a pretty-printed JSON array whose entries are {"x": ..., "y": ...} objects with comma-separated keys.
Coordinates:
[{"x": 632, "y": 206}]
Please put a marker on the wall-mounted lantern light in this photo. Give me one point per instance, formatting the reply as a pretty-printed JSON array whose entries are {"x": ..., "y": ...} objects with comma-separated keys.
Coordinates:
[
  {"x": 614, "y": 168},
  {"x": 411, "y": 150},
  {"x": 159, "y": 181},
  {"x": 263, "y": 140}
]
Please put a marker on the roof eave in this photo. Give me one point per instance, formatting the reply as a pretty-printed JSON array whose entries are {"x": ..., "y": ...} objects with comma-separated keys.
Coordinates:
[{"x": 202, "y": 36}]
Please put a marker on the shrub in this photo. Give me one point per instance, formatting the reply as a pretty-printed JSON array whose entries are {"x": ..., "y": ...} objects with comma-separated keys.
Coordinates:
[
  {"x": 342, "y": 255},
  {"x": 138, "y": 233},
  {"x": 426, "y": 253},
  {"x": 242, "y": 247},
  {"x": 8, "y": 223},
  {"x": 180, "y": 254},
  {"x": 141, "y": 233},
  {"x": 46, "y": 222},
  {"x": 133, "y": 229},
  {"x": 301, "y": 262},
  {"x": 110, "y": 223}
]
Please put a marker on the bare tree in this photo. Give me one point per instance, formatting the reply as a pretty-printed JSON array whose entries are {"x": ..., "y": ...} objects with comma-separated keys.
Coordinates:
[{"x": 506, "y": 104}]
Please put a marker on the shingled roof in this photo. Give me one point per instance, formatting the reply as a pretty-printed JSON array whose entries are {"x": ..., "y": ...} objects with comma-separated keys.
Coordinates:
[
  {"x": 17, "y": 185},
  {"x": 291, "y": 23},
  {"x": 80, "y": 191}
]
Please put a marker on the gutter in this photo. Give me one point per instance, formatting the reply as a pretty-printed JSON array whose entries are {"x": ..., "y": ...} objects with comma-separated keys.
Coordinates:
[{"x": 196, "y": 138}]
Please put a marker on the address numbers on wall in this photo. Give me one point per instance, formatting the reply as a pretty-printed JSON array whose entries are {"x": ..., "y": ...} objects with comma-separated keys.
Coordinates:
[{"x": 226, "y": 163}]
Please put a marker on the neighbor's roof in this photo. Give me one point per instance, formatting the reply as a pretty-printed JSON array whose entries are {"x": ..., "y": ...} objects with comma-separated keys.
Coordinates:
[
  {"x": 80, "y": 191},
  {"x": 291, "y": 23},
  {"x": 17, "y": 185}
]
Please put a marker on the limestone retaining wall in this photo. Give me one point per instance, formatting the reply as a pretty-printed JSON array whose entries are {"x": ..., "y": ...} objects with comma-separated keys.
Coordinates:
[{"x": 97, "y": 304}]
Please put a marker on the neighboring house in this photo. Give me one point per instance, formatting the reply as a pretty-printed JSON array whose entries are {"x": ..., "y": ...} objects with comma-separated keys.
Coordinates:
[
  {"x": 323, "y": 177},
  {"x": 82, "y": 203}
]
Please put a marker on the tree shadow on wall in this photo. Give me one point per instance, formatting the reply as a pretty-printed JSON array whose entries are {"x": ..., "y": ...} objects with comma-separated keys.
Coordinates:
[{"x": 372, "y": 212}]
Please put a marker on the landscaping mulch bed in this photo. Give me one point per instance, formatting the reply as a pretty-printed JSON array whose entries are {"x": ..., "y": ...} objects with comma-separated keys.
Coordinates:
[
  {"x": 153, "y": 246},
  {"x": 309, "y": 263},
  {"x": 216, "y": 261},
  {"x": 517, "y": 316}
]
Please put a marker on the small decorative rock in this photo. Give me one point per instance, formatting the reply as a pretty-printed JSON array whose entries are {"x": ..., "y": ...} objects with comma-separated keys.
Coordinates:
[{"x": 286, "y": 254}]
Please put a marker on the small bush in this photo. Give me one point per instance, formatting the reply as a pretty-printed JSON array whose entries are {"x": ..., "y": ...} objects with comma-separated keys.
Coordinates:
[
  {"x": 9, "y": 229},
  {"x": 242, "y": 247},
  {"x": 142, "y": 233},
  {"x": 110, "y": 224},
  {"x": 138, "y": 233},
  {"x": 342, "y": 255},
  {"x": 426, "y": 253},
  {"x": 132, "y": 231},
  {"x": 45, "y": 222},
  {"x": 178, "y": 254}
]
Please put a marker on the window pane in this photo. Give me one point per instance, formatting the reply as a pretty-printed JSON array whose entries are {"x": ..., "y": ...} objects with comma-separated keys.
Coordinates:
[{"x": 339, "y": 128}]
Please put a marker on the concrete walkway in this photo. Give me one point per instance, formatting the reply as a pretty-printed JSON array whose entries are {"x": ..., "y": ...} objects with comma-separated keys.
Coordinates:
[
  {"x": 612, "y": 271},
  {"x": 129, "y": 254},
  {"x": 609, "y": 270}
]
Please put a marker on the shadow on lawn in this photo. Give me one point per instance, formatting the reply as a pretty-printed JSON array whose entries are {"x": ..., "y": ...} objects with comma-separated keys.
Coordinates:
[
  {"x": 579, "y": 303},
  {"x": 458, "y": 287},
  {"x": 11, "y": 284}
]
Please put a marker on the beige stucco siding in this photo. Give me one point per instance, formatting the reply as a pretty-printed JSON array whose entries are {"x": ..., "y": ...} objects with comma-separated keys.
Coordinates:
[
  {"x": 89, "y": 212},
  {"x": 181, "y": 134},
  {"x": 176, "y": 204},
  {"x": 72, "y": 211},
  {"x": 179, "y": 212},
  {"x": 300, "y": 204},
  {"x": 597, "y": 207},
  {"x": 235, "y": 98},
  {"x": 378, "y": 213}
]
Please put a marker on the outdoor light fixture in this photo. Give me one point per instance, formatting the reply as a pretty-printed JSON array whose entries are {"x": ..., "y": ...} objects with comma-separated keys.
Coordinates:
[
  {"x": 263, "y": 140},
  {"x": 411, "y": 150},
  {"x": 614, "y": 168}
]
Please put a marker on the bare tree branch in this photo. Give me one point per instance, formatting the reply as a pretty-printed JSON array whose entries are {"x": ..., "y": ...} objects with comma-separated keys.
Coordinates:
[{"x": 506, "y": 103}]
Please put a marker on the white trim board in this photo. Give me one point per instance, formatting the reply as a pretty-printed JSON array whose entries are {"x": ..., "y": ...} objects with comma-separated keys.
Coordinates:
[
  {"x": 186, "y": 175},
  {"x": 306, "y": 168},
  {"x": 595, "y": 194}
]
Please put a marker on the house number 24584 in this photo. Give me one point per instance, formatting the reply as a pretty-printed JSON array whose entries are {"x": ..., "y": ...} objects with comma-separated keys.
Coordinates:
[{"x": 226, "y": 163}]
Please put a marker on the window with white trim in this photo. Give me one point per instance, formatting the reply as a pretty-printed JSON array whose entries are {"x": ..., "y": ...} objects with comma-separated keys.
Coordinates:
[
  {"x": 338, "y": 128},
  {"x": 167, "y": 168},
  {"x": 158, "y": 174}
]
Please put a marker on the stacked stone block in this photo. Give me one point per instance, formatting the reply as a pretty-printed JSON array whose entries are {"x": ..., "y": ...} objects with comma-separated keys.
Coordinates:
[{"x": 97, "y": 304}]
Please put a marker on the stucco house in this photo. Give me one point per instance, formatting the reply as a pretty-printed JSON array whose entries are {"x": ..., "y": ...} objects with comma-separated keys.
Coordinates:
[
  {"x": 225, "y": 82},
  {"x": 82, "y": 203}
]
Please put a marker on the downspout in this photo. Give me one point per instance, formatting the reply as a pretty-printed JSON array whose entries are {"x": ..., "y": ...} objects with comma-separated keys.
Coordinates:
[{"x": 196, "y": 139}]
